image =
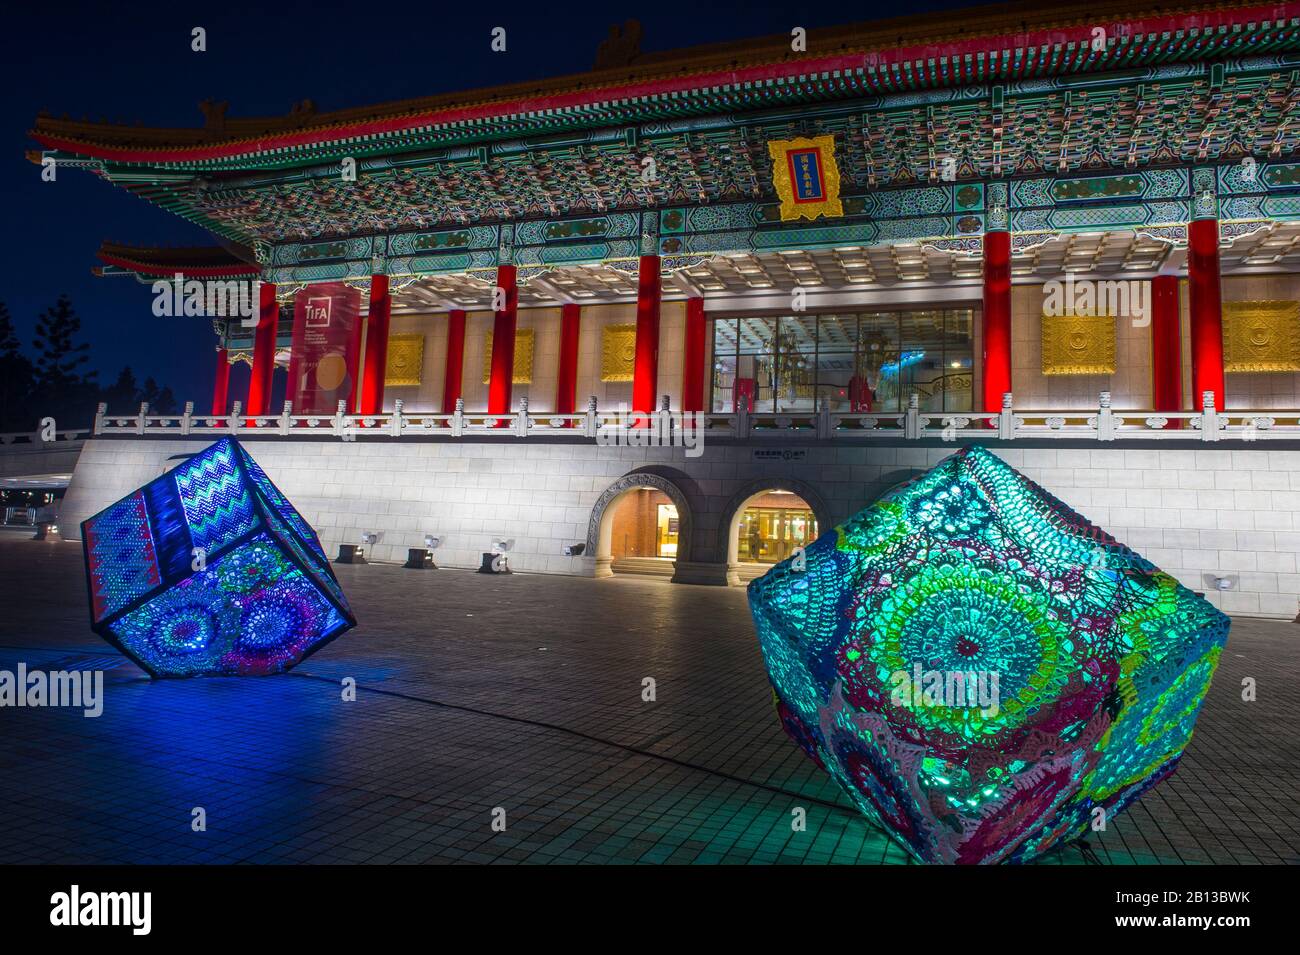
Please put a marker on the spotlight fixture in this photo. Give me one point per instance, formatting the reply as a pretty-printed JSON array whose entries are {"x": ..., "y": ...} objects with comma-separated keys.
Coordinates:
[
  {"x": 574, "y": 550},
  {"x": 495, "y": 561},
  {"x": 421, "y": 558},
  {"x": 350, "y": 554}
]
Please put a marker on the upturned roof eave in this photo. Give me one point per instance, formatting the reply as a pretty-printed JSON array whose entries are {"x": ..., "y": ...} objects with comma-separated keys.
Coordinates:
[{"x": 656, "y": 79}]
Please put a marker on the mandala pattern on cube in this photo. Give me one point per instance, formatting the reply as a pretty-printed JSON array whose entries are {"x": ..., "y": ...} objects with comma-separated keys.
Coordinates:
[
  {"x": 980, "y": 668},
  {"x": 209, "y": 570}
]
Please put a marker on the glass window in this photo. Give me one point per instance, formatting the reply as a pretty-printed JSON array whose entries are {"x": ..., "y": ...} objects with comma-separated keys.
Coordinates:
[
  {"x": 837, "y": 347},
  {"x": 958, "y": 359},
  {"x": 756, "y": 364},
  {"x": 795, "y": 357},
  {"x": 876, "y": 385},
  {"x": 724, "y": 365},
  {"x": 768, "y": 535},
  {"x": 856, "y": 362},
  {"x": 666, "y": 531}
]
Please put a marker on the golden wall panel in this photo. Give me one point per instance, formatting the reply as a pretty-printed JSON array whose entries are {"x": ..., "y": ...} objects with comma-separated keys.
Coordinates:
[
  {"x": 617, "y": 352},
  {"x": 1078, "y": 344},
  {"x": 405, "y": 366},
  {"x": 1261, "y": 336},
  {"x": 523, "y": 357}
]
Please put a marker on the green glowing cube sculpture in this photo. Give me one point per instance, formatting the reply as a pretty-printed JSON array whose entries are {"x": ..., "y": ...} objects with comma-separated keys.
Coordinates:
[{"x": 884, "y": 639}]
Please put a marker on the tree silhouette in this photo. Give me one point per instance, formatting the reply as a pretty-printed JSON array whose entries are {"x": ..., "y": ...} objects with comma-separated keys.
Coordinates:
[
  {"x": 122, "y": 395},
  {"x": 161, "y": 400},
  {"x": 63, "y": 390},
  {"x": 59, "y": 357},
  {"x": 17, "y": 378}
]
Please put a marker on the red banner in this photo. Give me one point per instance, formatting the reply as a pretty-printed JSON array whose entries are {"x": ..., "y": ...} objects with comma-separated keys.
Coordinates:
[{"x": 323, "y": 364}]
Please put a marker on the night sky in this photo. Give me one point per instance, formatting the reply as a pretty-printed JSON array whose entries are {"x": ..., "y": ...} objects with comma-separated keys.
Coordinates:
[{"x": 133, "y": 62}]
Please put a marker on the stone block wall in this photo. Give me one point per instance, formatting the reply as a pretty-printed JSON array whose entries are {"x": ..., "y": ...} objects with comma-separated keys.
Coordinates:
[{"x": 1196, "y": 513}]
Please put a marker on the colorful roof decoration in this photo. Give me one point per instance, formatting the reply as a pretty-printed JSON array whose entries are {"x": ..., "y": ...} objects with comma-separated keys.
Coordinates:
[
  {"x": 927, "y": 115},
  {"x": 1008, "y": 43}
]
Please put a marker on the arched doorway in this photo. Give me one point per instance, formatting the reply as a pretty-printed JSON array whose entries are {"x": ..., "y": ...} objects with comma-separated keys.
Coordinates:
[
  {"x": 641, "y": 524},
  {"x": 765, "y": 522}
]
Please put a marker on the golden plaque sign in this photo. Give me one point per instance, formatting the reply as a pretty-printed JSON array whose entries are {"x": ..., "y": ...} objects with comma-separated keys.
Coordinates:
[
  {"x": 1261, "y": 336},
  {"x": 523, "y": 357},
  {"x": 405, "y": 365},
  {"x": 806, "y": 177},
  {"x": 1078, "y": 344},
  {"x": 617, "y": 352}
]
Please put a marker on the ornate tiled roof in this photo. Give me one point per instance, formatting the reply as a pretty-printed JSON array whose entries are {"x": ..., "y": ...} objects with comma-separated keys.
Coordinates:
[
  {"x": 193, "y": 262},
  {"x": 1113, "y": 116},
  {"x": 1008, "y": 42}
]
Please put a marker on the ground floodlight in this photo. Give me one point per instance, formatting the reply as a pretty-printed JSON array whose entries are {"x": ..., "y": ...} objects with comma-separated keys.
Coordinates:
[
  {"x": 209, "y": 570},
  {"x": 984, "y": 673}
]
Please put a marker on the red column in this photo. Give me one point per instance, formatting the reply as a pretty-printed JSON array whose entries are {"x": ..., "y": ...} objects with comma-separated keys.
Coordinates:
[
  {"x": 693, "y": 368},
  {"x": 1166, "y": 346},
  {"x": 566, "y": 381},
  {"x": 501, "y": 380},
  {"x": 451, "y": 380},
  {"x": 221, "y": 388},
  {"x": 1206, "y": 311},
  {"x": 645, "y": 372},
  {"x": 376, "y": 363},
  {"x": 259, "y": 380},
  {"x": 997, "y": 318}
]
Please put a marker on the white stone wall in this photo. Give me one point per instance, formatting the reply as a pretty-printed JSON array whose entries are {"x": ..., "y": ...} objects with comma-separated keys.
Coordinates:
[{"x": 1192, "y": 512}]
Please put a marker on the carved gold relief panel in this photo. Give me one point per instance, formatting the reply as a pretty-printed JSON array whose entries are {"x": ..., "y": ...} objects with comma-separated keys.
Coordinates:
[
  {"x": 1261, "y": 336},
  {"x": 617, "y": 352},
  {"x": 523, "y": 357},
  {"x": 1078, "y": 344},
  {"x": 405, "y": 365}
]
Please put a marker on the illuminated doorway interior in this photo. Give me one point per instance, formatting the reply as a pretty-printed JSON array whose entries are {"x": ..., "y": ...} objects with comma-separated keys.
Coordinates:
[
  {"x": 645, "y": 534},
  {"x": 771, "y": 526}
]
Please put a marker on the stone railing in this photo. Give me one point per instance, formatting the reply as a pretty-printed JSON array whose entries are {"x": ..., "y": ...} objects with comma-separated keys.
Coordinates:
[{"x": 1010, "y": 424}]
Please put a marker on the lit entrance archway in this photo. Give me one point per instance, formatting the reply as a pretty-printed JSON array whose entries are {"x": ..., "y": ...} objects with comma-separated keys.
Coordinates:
[
  {"x": 640, "y": 525},
  {"x": 645, "y": 532},
  {"x": 767, "y": 522}
]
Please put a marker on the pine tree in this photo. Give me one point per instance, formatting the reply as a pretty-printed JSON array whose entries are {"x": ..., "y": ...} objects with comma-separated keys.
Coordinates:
[
  {"x": 16, "y": 379},
  {"x": 123, "y": 395},
  {"x": 59, "y": 359},
  {"x": 64, "y": 391},
  {"x": 161, "y": 400}
]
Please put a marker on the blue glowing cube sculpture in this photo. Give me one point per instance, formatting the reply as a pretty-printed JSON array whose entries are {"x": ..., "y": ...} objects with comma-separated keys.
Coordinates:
[
  {"x": 209, "y": 570},
  {"x": 884, "y": 640}
]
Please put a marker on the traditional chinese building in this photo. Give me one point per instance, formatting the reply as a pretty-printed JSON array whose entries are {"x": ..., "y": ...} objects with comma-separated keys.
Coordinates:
[{"x": 1070, "y": 235}]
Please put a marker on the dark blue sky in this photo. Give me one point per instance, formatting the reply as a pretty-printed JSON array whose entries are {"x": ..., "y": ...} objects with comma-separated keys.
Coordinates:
[{"x": 133, "y": 62}]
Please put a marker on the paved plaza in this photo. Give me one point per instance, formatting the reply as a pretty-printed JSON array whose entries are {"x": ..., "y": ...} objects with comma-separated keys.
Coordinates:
[{"x": 525, "y": 693}]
